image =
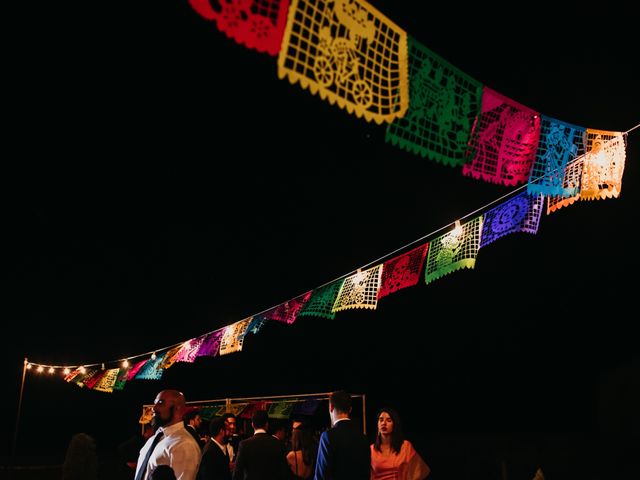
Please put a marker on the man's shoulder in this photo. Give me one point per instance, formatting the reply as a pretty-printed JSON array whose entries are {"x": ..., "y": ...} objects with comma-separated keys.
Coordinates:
[
  {"x": 183, "y": 439},
  {"x": 347, "y": 429}
]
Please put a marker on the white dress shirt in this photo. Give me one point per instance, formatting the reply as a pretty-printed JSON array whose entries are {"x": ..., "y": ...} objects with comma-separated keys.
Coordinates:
[{"x": 178, "y": 449}]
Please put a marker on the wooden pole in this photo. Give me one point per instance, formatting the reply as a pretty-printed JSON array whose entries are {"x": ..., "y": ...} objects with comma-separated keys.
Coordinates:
[{"x": 15, "y": 433}]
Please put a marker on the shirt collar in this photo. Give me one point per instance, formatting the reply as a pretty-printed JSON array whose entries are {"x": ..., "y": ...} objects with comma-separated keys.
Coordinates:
[{"x": 172, "y": 428}]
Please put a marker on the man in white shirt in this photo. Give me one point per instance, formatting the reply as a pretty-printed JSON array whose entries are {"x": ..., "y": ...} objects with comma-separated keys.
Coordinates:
[{"x": 175, "y": 446}]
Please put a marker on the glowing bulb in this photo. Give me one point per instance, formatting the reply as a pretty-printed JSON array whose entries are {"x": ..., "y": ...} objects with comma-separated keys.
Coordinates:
[
  {"x": 66, "y": 371},
  {"x": 125, "y": 363},
  {"x": 51, "y": 370},
  {"x": 153, "y": 356},
  {"x": 29, "y": 366},
  {"x": 40, "y": 369},
  {"x": 457, "y": 230},
  {"x": 83, "y": 370},
  {"x": 103, "y": 366}
]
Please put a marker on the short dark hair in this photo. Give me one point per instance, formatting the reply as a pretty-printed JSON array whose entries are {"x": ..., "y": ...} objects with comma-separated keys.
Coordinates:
[
  {"x": 260, "y": 418},
  {"x": 217, "y": 424},
  {"x": 191, "y": 414},
  {"x": 341, "y": 401},
  {"x": 227, "y": 415}
]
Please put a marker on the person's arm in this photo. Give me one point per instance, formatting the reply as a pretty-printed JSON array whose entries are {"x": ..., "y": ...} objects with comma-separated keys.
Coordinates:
[
  {"x": 323, "y": 461},
  {"x": 238, "y": 471},
  {"x": 417, "y": 469}
]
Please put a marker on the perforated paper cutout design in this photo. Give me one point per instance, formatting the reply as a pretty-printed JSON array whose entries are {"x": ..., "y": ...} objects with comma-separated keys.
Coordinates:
[
  {"x": 169, "y": 357},
  {"x": 133, "y": 371},
  {"x": 519, "y": 214},
  {"x": 504, "y": 141},
  {"x": 254, "y": 407},
  {"x": 189, "y": 350},
  {"x": 147, "y": 415},
  {"x": 321, "y": 302},
  {"x": 402, "y": 271},
  {"x": 152, "y": 369},
  {"x": 90, "y": 382},
  {"x": 306, "y": 407},
  {"x": 570, "y": 183},
  {"x": 211, "y": 344},
  {"x": 72, "y": 375},
  {"x": 233, "y": 336},
  {"x": 288, "y": 311},
  {"x": 107, "y": 381},
  {"x": 282, "y": 409},
  {"x": 349, "y": 53},
  {"x": 258, "y": 24},
  {"x": 257, "y": 322},
  {"x": 603, "y": 165},
  {"x": 559, "y": 143},
  {"x": 359, "y": 290},
  {"x": 454, "y": 250},
  {"x": 443, "y": 104},
  {"x": 121, "y": 381},
  {"x": 81, "y": 378}
]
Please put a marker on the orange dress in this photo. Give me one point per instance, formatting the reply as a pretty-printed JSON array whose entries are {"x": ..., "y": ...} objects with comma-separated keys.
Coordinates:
[{"x": 405, "y": 465}]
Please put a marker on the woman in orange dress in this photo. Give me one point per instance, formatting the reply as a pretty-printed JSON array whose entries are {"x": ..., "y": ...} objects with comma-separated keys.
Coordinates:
[{"x": 393, "y": 457}]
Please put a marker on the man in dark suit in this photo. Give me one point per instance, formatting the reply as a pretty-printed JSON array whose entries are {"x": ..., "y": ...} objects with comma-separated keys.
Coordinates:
[
  {"x": 344, "y": 452},
  {"x": 261, "y": 457},
  {"x": 214, "y": 464},
  {"x": 192, "y": 421}
]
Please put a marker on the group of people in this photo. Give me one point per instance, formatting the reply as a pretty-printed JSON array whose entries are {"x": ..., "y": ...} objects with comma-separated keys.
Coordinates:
[{"x": 342, "y": 453}]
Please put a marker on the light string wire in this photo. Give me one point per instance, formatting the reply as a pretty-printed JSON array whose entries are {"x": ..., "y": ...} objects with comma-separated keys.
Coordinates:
[{"x": 376, "y": 261}]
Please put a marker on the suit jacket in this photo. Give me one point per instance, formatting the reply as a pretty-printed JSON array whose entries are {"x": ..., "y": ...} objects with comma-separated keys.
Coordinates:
[
  {"x": 195, "y": 435},
  {"x": 343, "y": 454},
  {"x": 214, "y": 464},
  {"x": 261, "y": 457}
]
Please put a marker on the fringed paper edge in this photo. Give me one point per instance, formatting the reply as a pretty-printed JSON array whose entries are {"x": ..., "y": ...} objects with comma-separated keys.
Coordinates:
[
  {"x": 470, "y": 172},
  {"x": 459, "y": 265},
  {"x": 332, "y": 98},
  {"x": 329, "y": 316},
  {"x": 363, "y": 306},
  {"x": 416, "y": 149}
]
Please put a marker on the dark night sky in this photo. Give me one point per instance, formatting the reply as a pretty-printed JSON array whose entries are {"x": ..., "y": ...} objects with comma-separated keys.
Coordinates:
[{"x": 168, "y": 184}]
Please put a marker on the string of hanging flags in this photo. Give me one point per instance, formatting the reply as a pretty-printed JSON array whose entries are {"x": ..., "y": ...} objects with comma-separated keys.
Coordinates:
[{"x": 349, "y": 53}]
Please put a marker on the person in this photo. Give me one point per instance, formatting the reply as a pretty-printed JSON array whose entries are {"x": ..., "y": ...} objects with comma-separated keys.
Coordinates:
[
  {"x": 279, "y": 431},
  {"x": 192, "y": 421},
  {"x": 392, "y": 456},
  {"x": 231, "y": 437},
  {"x": 81, "y": 460},
  {"x": 261, "y": 457},
  {"x": 215, "y": 461},
  {"x": 304, "y": 449},
  {"x": 129, "y": 450},
  {"x": 171, "y": 445},
  {"x": 344, "y": 452},
  {"x": 162, "y": 472}
]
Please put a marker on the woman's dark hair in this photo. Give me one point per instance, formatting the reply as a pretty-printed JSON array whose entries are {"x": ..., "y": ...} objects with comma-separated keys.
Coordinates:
[
  {"x": 302, "y": 439},
  {"x": 397, "y": 437}
]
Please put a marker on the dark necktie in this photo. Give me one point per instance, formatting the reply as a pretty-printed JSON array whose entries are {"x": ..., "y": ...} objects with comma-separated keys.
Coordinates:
[{"x": 145, "y": 462}]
